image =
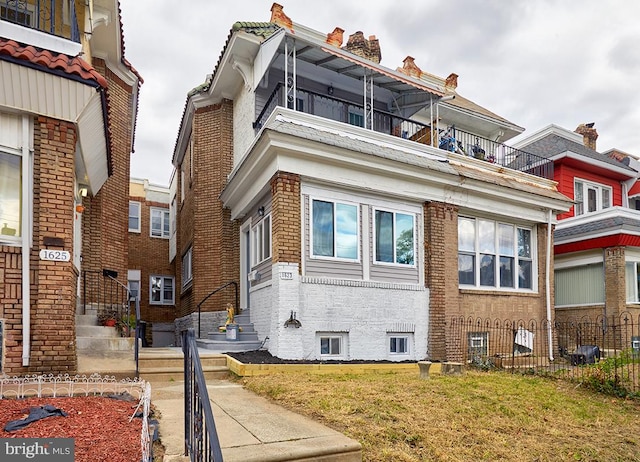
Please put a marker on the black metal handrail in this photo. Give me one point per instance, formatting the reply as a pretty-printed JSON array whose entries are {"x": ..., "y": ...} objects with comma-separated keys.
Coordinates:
[
  {"x": 200, "y": 436},
  {"x": 235, "y": 307},
  {"x": 449, "y": 139},
  {"x": 43, "y": 15}
]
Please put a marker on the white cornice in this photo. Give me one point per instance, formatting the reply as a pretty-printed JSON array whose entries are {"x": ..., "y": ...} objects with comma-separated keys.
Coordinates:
[{"x": 546, "y": 131}]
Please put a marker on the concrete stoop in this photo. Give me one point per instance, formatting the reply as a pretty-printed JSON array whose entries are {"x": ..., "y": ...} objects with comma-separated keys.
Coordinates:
[
  {"x": 167, "y": 365},
  {"x": 246, "y": 339}
]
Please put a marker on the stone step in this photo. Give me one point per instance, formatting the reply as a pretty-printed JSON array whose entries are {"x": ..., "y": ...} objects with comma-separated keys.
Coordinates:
[
  {"x": 222, "y": 346},
  {"x": 168, "y": 374},
  {"x": 86, "y": 320},
  {"x": 96, "y": 331},
  {"x": 222, "y": 336},
  {"x": 146, "y": 361},
  {"x": 105, "y": 344}
]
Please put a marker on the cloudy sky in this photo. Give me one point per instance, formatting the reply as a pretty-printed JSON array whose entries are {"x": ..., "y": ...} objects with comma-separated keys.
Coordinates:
[{"x": 533, "y": 62}]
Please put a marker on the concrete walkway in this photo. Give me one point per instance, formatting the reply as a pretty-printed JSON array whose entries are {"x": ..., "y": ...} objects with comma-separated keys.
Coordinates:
[{"x": 250, "y": 428}]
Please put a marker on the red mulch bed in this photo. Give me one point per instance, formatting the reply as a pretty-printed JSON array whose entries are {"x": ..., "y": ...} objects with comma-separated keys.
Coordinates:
[{"x": 99, "y": 425}]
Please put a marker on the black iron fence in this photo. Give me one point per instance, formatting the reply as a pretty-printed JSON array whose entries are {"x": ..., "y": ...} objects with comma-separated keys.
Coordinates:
[
  {"x": 108, "y": 298},
  {"x": 602, "y": 353},
  {"x": 449, "y": 138},
  {"x": 200, "y": 435}
]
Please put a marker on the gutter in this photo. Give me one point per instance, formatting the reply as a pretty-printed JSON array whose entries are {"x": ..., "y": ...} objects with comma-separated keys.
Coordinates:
[
  {"x": 547, "y": 283},
  {"x": 26, "y": 242}
]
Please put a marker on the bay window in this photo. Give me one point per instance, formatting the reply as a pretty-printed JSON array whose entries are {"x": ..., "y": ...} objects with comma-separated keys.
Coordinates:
[
  {"x": 334, "y": 230},
  {"x": 394, "y": 238},
  {"x": 494, "y": 255},
  {"x": 591, "y": 197}
]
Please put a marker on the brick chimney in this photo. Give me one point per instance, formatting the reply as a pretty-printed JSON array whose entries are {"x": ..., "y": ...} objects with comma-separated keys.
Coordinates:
[
  {"x": 452, "y": 82},
  {"x": 335, "y": 38},
  {"x": 410, "y": 67},
  {"x": 278, "y": 17},
  {"x": 368, "y": 49},
  {"x": 589, "y": 134}
]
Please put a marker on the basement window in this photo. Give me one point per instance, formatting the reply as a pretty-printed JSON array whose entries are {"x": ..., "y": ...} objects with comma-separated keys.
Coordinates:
[{"x": 332, "y": 345}]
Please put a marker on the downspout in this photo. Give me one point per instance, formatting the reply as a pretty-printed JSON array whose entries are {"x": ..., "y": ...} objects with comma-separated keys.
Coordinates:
[
  {"x": 547, "y": 282},
  {"x": 26, "y": 241}
]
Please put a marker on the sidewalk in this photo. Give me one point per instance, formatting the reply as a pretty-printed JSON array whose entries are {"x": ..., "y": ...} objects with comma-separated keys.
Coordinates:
[{"x": 250, "y": 428}]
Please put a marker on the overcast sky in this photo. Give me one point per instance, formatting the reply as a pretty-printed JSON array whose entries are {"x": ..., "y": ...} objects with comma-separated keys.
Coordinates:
[{"x": 534, "y": 63}]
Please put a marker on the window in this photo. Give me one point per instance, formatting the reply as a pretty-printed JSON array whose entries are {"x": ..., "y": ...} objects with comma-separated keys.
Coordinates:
[
  {"x": 356, "y": 119},
  {"x": 334, "y": 230},
  {"x": 161, "y": 290},
  {"x": 579, "y": 285},
  {"x": 10, "y": 196},
  {"x": 160, "y": 223},
  {"x": 477, "y": 344},
  {"x": 187, "y": 268},
  {"x": 398, "y": 345},
  {"x": 16, "y": 12},
  {"x": 134, "y": 217},
  {"x": 394, "y": 238},
  {"x": 261, "y": 241},
  {"x": 331, "y": 346},
  {"x": 133, "y": 283},
  {"x": 591, "y": 197},
  {"x": 173, "y": 214},
  {"x": 492, "y": 254},
  {"x": 632, "y": 276}
]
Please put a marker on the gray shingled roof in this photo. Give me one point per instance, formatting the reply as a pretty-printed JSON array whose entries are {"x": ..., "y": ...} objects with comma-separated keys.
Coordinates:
[
  {"x": 618, "y": 224},
  {"x": 552, "y": 145}
]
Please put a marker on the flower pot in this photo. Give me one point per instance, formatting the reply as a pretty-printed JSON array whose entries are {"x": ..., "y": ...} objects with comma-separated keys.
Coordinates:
[{"x": 110, "y": 323}]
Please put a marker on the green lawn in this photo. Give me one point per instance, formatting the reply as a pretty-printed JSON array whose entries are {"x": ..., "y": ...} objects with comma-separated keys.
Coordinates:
[{"x": 478, "y": 416}]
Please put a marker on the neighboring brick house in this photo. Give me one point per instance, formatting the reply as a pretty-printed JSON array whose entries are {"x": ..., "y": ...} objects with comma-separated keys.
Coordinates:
[
  {"x": 68, "y": 103},
  {"x": 597, "y": 242},
  {"x": 151, "y": 276},
  {"x": 370, "y": 204}
]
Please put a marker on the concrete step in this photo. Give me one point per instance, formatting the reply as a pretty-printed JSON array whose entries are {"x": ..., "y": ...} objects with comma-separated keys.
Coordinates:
[
  {"x": 169, "y": 374},
  {"x": 105, "y": 344},
  {"x": 96, "y": 331},
  {"x": 86, "y": 320},
  {"x": 222, "y": 336},
  {"x": 167, "y": 364},
  {"x": 120, "y": 364},
  {"x": 177, "y": 362},
  {"x": 222, "y": 346}
]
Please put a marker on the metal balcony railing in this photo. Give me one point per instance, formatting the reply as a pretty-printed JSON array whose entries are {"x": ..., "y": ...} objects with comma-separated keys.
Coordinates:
[
  {"x": 450, "y": 139},
  {"x": 55, "y": 17}
]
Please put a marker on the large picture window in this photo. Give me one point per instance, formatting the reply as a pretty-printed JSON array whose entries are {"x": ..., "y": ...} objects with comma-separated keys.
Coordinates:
[
  {"x": 591, "y": 197},
  {"x": 261, "y": 241},
  {"x": 160, "y": 221},
  {"x": 334, "y": 229},
  {"x": 494, "y": 255},
  {"x": 394, "y": 238},
  {"x": 10, "y": 195}
]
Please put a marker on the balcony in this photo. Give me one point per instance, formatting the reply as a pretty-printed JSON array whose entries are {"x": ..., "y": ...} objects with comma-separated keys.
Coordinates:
[
  {"x": 54, "y": 17},
  {"x": 450, "y": 139}
]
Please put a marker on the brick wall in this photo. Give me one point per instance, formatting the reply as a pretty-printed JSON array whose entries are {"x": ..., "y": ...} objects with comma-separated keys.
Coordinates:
[
  {"x": 11, "y": 307},
  {"x": 285, "y": 218},
  {"x": 204, "y": 223},
  {"x": 441, "y": 274},
  {"x": 614, "y": 280},
  {"x": 150, "y": 255}
]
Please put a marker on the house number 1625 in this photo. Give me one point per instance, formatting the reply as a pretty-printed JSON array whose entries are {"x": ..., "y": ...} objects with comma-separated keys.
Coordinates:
[{"x": 55, "y": 255}]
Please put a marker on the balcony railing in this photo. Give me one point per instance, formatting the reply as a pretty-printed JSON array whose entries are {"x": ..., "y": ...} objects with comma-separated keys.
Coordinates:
[
  {"x": 449, "y": 139},
  {"x": 53, "y": 17}
]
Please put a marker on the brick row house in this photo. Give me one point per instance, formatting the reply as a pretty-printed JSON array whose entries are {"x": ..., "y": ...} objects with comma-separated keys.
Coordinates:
[
  {"x": 151, "y": 276},
  {"x": 597, "y": 242},
  {"x": 68, "y": 102},
  {"x": 357, "y": 207}
]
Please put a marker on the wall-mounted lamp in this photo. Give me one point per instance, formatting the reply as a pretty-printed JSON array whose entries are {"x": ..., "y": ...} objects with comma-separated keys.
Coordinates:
[
  {"x": 330, "y": 90},
  {"x": 261, "y": 211},
  {"x": 83, "y": 190}
]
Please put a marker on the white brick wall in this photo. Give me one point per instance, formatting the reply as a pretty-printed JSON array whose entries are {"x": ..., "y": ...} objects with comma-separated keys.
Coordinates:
[
  {"x": 366, "y": 311},
  {"x": 243, "y": 118}
]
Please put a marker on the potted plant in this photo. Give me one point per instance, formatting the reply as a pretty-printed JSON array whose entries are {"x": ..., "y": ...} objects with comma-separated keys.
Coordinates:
[
  {"x": 107, "y": 318},
  {"x": 127, "y": 325}
]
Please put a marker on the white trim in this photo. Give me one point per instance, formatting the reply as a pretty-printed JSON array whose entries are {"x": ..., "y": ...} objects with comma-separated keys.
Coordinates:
[{"x": 26, "y": 238}]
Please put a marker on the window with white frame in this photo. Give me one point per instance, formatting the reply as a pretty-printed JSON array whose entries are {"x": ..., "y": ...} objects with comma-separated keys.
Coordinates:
[
  {"x": 394, "y": 237},
  {"x": 133, "y": 283},
  {"x": 261, "y": 241},
  {"x": 331, "y": 345},
  {"x": 10, "y": 195},
  {"x": 579, "y": 285},
  {"x": 632, "y": 277},
  {"x": 591, "y": 197},
  {"x": 160, "y": 222},
  {"x": 334, "y": 228},
  {"x": 398, "y": 343},
  {"x": 161, "y": 290},
  {"x": 187, "y": 267},
  {"x": 477, "y": 344},
  {"x": 134, "y": 217},
  {"x": 495, "y": 255}
]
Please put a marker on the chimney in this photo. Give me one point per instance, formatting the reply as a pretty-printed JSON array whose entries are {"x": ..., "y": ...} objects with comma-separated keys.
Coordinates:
[
  {"x": 452, "y": 82},
  {"x": 589, "y": 134},
  {"x": 335, "y": 38},
  {"x": 278, "y": 17},
  {"x": 410, "y": 68},
  {"x": 360, "y": 46}
]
